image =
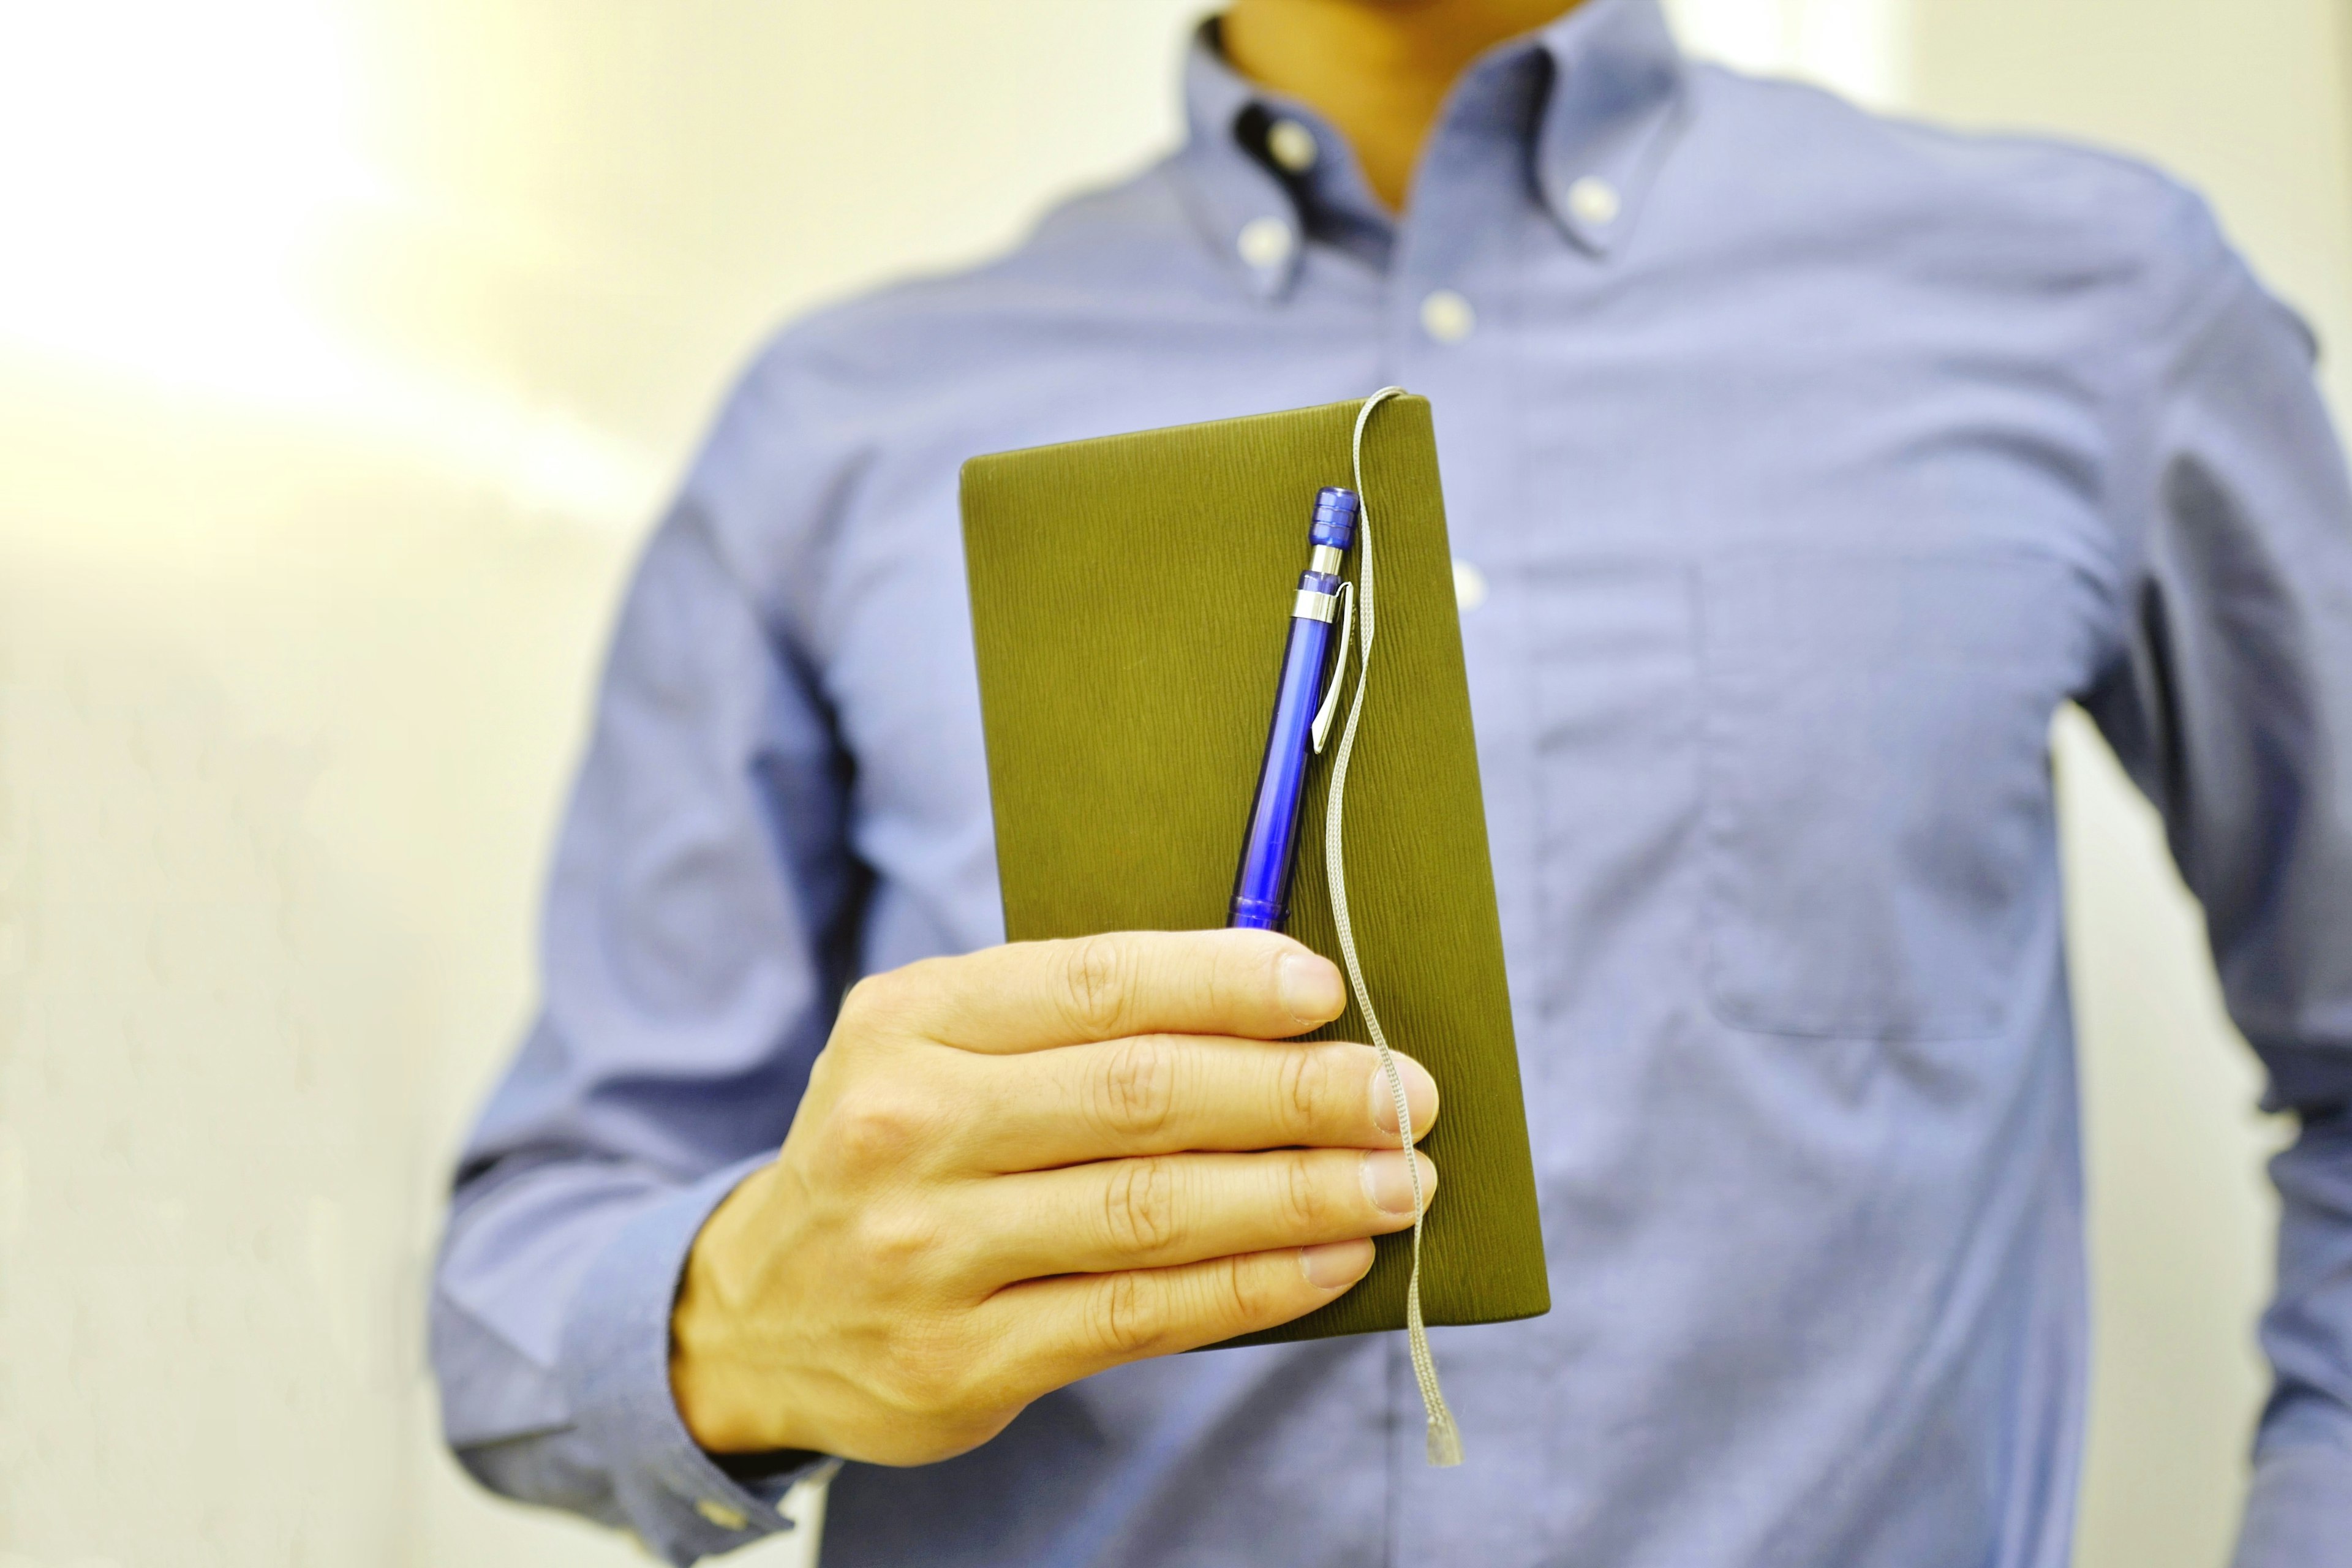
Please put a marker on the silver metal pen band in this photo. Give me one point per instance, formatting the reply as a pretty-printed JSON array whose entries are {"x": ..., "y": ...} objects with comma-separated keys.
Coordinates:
[{"x": 1311, "y": 606}]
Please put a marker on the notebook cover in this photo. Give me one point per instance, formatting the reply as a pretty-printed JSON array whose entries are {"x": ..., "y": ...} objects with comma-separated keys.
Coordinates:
[{"x": 1131, "y": 598}]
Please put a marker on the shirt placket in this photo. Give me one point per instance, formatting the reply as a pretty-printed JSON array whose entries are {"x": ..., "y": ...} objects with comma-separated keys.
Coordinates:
[
  {"x": 1452, "y": 295},
  {"x": 1453, "y": 291}
]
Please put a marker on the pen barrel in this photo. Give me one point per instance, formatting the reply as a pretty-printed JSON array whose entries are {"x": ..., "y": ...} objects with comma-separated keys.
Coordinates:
[{"x": 1262, "y": 884}]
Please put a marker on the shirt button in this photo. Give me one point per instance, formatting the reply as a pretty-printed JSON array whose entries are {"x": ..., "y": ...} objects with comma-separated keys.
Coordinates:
[
  {"x": 1469, "y": 585},
  {"x": 1595, "y": 200},
  {"x": 719, "y": 1514},
  {"x": 1447, "y": 316},
  {"x": 1264, "y": 241},
  {"x": 1292, "y": 145}
]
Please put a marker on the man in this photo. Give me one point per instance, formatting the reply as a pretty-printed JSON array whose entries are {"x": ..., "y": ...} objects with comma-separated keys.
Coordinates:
[{"x": 1812, "y": 461}]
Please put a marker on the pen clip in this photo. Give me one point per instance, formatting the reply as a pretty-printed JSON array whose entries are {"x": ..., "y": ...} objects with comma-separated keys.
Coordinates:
[{"x": 1322, "y": 731}]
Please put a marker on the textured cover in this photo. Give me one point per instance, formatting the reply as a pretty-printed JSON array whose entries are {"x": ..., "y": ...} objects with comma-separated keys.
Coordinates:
[{"x": 1130, "y": 597}]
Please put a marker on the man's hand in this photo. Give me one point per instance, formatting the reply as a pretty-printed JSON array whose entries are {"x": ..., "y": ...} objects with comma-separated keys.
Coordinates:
[{"x": 1023, "y": 1166}]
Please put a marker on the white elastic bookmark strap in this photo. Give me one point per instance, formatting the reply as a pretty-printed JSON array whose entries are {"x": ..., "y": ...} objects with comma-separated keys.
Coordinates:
[{"x": 1445, "y": 1437}]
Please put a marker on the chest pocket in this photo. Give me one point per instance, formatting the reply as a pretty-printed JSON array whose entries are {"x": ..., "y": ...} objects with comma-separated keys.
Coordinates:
[{"x": 1879, "y": 828}]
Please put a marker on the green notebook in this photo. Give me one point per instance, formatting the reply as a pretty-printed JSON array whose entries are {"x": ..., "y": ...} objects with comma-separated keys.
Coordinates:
[{"x": 1130, "y": 597}]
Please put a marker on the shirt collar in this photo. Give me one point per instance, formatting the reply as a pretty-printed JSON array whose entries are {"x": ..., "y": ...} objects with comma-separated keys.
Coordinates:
[{"x": 1616, "y": 81}]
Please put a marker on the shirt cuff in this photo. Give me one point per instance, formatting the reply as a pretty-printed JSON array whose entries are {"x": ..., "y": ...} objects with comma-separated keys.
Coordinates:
[
  {"x": 616, "y": 1370},
  {"x": 2299, "y": 1514}
]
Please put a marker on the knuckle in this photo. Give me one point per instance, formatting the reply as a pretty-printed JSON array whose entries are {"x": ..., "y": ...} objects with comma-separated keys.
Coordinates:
[
  {"x": 876, "y": 1127},
  {"x": 928, "y": 1372},
  {"x": 1136, "y": 1093},
  {"x": 1098, "y": 984},
  {"x": 1130, "y": 1319},
  {"x": 1253, "y": 979},
  {"x": 1307, "y": 1206},
  {"x": 897, "y": 1241},
  {"x": 1245, "y": 1293},
  {"x": 1140, "y": 1207},
  {"x": 823, "y": 1071},
  {"x": 873, "y": 1004},
  {"x": 1300, "y": 1090}
]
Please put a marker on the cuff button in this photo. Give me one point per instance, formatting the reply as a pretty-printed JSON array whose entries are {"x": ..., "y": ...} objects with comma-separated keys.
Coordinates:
[{"x": 719, "y": 1514}]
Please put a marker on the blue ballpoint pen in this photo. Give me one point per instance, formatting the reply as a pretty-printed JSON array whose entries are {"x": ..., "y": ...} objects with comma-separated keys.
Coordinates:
[{"x": 1262, "y": 884}]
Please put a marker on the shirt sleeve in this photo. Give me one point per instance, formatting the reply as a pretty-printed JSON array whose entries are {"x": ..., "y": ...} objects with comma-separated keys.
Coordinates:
[
  {"x": 698, "y": 928},
  {"x": 2230, "y": 702}
]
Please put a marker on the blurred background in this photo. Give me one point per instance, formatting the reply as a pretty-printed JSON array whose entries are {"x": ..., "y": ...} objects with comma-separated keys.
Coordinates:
[{"x": 347, "y": 349}]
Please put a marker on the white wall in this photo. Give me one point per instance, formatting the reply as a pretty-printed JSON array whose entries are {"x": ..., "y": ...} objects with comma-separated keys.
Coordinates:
[
  {"x": 346, "y": 346},
  {"x": 1861, "y": 48}
]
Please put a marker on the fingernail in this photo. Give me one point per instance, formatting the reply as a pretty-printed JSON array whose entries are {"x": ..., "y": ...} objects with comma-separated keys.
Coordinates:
[
  {"x": 1420, "y": 1096},
  {"x": 1388, "y": 1181},
  {"x": 1335, "y": 1264},
  {"x": 1310, "y": 987}
]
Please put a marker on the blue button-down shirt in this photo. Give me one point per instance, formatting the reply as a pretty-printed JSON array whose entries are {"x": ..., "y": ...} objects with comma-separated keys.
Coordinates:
[{"x": 1811, "y": 462}]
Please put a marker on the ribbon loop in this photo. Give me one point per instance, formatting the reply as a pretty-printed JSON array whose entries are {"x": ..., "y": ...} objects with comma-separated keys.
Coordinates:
[{"x": 1444, "y": 1436}]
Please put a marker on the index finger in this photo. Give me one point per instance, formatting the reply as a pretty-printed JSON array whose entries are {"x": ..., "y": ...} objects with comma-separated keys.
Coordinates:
[{"x": 1036, "y": 995}]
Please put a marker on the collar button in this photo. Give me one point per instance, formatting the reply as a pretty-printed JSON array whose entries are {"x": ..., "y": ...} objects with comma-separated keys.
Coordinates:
[{"x": 1292, "y": 145}]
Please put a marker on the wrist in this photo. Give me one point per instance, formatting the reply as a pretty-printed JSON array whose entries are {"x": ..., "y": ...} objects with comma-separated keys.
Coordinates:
[{"x": 721, "y": 1391}]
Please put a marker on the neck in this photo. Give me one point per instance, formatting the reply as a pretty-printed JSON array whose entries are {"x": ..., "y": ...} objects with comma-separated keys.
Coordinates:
[{"x": 1378, "y": 70}]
